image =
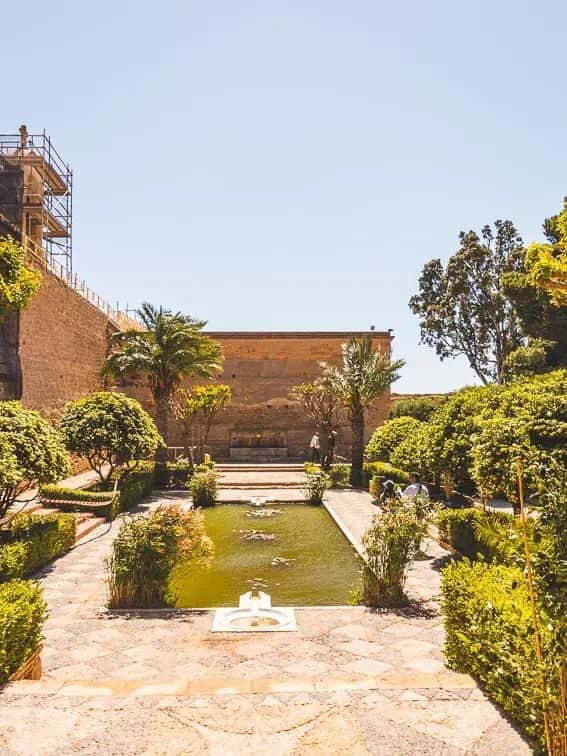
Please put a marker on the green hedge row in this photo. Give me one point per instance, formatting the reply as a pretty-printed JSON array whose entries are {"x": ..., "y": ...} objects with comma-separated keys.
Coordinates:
[
  {"x": 490, "y": 634},
  {"x": 35, "y": 540},
  {"x": 173, "y": 475},
  {"x": 133, "y": 487},
  {"x": 457, "y": 527},
  {"x": 22, "y": 614},
  {"x": 74, "y": 494}
]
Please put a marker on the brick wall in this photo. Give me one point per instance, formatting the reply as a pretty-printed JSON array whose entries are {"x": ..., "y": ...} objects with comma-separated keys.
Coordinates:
[{"x": 63, "y": 341}]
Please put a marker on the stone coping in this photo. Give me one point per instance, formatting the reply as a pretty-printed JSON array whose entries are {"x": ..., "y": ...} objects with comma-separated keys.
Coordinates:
[
  {"x": 297, "y": 334},
  {"x": 231, "y": 686}
]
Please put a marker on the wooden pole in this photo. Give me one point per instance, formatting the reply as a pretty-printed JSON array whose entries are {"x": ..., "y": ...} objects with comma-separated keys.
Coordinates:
[{"x": 531, "y": 592}]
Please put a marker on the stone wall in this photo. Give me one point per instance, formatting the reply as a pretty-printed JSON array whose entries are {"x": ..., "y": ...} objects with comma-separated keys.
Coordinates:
[
  {"x": 261, "y": 368},
  {"x": 63, "y": 340}
]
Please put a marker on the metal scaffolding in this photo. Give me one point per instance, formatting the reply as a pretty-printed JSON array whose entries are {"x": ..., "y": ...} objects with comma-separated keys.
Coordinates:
[{"x": 41, "y": 204}]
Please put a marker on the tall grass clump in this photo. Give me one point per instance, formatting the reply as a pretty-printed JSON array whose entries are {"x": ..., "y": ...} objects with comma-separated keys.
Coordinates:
[
  {"x": 147, "y": 549},
  {"x": 391, "y": 543},
  {"x": 316, "y": 486},
  {"x": 204, "y": 488}
]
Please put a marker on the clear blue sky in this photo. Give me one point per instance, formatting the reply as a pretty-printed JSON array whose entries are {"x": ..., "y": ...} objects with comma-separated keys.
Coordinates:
[{"x": 292, "y": 164}]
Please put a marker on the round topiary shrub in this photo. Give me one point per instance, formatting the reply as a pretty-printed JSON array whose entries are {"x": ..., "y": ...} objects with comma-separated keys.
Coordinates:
[
  {"x": 109, "y": 430},
  {"x": 31, "y": 452}
]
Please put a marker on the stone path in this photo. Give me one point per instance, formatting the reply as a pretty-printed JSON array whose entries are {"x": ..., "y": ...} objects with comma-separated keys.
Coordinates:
[{"x": 349, "y": 681}]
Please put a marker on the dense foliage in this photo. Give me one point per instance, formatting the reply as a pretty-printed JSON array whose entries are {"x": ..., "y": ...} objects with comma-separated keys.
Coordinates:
[
  {"x": 475, "y": 438},
  {"x": 35, "y": 541},
  {"x": 22, "y": 614},
  {"x": 204, "y": 488},
  {"x": 419, "y": 407},
  {"x": 463, "y": 529},
  {"x": 147, "y": 549},
  {"x": 108, "y": 430},
  {"x": 170, "y": 347},
  {"x": 32, "y": 449},
  {"x": 18, "y": 283},
  {"x": 490, "y": 634},
  {"x": 387, "y": 437}
]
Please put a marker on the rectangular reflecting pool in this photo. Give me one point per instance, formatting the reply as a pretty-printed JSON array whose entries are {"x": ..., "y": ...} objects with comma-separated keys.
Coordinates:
[{"x": 294, "y": 552}]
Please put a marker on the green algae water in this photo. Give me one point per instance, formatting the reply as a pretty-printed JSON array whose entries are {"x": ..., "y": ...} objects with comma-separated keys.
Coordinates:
[{"x": 299, "y": 556}]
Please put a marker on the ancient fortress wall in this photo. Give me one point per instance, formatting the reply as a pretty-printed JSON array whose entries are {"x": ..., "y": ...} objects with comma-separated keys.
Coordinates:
[
  {"x": 261, "y": 368},
  {"x": 63, "y": 340}
]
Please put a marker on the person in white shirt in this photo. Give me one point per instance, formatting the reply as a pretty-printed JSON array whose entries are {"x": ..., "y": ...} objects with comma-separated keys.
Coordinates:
[
  {"x": 315, "y": 447},
  {"x": 415, "y": 488}
]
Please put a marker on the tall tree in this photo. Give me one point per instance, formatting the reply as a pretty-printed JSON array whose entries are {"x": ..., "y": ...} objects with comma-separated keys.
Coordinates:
[
  {"x": 463, "y": 307},
  {"x": 171, "y": 347},
  {"x": 365, "y": 374},
  {"x": 321, "y": 403},
  {"x": 537, "y": 296}
]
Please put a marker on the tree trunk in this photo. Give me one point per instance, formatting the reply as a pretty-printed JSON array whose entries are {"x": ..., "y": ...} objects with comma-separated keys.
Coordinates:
[
  {"x": 357, "y": 427},
  {"x": 162, "y": 424},
  {"x": 324, "y": 443}
]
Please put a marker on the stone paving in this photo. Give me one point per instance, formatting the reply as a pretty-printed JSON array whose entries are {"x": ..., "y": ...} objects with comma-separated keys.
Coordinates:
[{"x": 349, "y": 681}]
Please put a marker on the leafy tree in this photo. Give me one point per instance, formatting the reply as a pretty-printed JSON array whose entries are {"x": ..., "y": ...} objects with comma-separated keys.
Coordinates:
[
  {"x": 31, "y": 450},
  {"x": 463, "y": 307},
  {"x": 388, "y": 436},
  {"x": 365, "y": 374},
  {"x": 171, "y": 347},
  {"x": 109, "y": 430},
  {"x": 528, "y": 425},
  {"x": 18, "y": 283},
  {"x": 547, "y": 263},
  {"x": 419, "y": 407},
  {"x": 414, "y": 452},
  {"x": 321, "y": 403},
  {"x": 196, "y": 410}
]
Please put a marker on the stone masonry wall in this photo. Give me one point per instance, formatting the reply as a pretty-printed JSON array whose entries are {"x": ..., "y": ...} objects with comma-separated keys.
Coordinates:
[
  {"x": 261, "y": 368},
  {"x": 63, "y": 341}
]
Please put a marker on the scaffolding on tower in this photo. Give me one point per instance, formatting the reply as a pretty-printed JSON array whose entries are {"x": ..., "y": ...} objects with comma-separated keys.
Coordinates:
[{"x": 36, "y": 196}]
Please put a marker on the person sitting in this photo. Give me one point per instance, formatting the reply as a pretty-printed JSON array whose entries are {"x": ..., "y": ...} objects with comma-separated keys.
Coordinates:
[
  {"x": 415, "y": 488},
  {"x": 390, "y": 492}
]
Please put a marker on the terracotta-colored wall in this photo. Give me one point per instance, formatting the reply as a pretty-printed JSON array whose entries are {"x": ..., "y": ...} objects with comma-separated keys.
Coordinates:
[
  {"x": 261, "y": 368},
  {"x": 63, "y": 342}
]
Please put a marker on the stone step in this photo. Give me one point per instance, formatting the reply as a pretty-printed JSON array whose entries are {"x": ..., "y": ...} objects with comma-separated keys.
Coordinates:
[{"x": 86, "y": 523}]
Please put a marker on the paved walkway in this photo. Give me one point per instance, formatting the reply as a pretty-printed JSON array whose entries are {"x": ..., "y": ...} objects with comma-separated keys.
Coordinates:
[{"x": 350, "y": 681}]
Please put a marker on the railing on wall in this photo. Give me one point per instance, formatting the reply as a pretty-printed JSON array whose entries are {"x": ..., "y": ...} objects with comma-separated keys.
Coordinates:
[{"x": 119, "y": 318}]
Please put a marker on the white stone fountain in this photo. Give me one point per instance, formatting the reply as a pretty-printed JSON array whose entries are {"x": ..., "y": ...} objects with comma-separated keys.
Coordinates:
[{"x": 255, "y": 614}]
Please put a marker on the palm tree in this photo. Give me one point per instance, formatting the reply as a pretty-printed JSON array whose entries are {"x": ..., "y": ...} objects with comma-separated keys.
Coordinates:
[
  {"x": 364, "y": 376},
  {"x": 170, "y": 348}
]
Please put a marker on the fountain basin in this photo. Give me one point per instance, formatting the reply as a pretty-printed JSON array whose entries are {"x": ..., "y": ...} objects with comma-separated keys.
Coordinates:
[{"x": 254, "y": 615}]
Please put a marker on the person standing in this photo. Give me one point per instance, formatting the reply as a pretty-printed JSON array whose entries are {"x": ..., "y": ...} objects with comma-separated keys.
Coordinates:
[
  {"x": 315, "y": 447},
  {"x": 330, "y": 455}
]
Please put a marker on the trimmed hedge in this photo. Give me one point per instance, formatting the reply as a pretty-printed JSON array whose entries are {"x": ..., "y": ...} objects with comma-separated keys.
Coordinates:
[
  {"x": 173, "y": 475},
  {"x": 12, "y": 560},
  {"x": 22, "y": 614},
  {"x": 457, "y": 527},
  {"x": 134, "y": 485},
  {"x": 35, "y": 541},
  {"x": 490, "y": 634},
  {"x": 74, "y": 494}
]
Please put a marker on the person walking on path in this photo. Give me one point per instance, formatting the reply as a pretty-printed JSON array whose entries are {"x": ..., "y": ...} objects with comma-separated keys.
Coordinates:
[
  {"x": 415, "y": 488},
  {"x": 315, "y": 447}
]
